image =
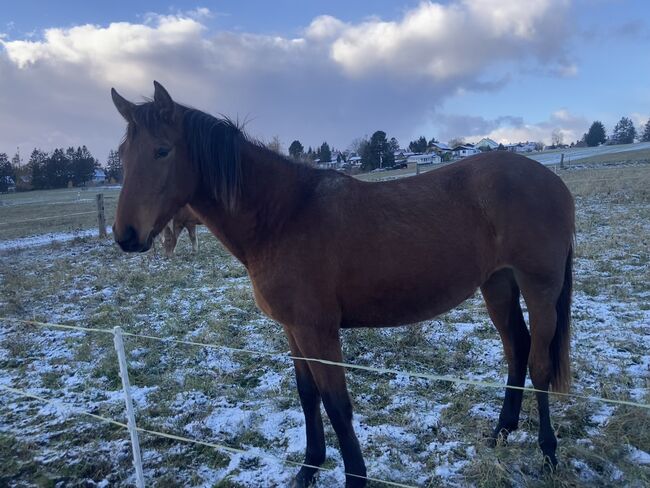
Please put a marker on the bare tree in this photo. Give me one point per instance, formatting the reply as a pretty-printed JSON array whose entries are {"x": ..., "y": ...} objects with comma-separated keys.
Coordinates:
[
  {"x": 456, "y": 141},
  {"x": 275, "y": 145},
  {"x": 556, "y": 137}
]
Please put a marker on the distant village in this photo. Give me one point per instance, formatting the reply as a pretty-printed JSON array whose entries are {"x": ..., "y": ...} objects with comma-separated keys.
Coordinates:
[{"x": 436, "y": 153}]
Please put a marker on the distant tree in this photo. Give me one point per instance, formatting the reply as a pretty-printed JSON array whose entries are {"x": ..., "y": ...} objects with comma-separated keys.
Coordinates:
[
  {"x": 539, "y": 145},
  {"x": 419, "y": 145},
  {"x": 57, "y": 169},
  {"x": 16, "y": 163},
  {"x": 431, "y": 143},
  {"x": 457, "y": 141},
  {"x": 596, "y": 134},
  {"x": 393, "y": 145},
  {"x": 296, "y": 150},
  {"x": 645, "y": 137},
  {"x": 114, "y": 168},
  {"x": 82, "y": 165},
  {"x": 377, "y": 152},
  {"x": 624, "y": 132},
  {"x": 36, "y": 167},
  {"x": 6, "y": 171},
  {"x": 501, "y": 147},
  {"x": 275, "y": 145},
  {"x": 556, "y": 137},
  {"x": 325, "y": 154}
]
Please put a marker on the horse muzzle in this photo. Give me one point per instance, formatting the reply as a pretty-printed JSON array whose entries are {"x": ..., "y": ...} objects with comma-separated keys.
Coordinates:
[{"x": 130, "y": 242}]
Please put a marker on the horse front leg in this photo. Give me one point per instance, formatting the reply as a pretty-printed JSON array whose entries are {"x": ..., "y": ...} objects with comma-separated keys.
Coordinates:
[
  {"x": 323, "y": 343},
  {"x": 310, "y": 400}
]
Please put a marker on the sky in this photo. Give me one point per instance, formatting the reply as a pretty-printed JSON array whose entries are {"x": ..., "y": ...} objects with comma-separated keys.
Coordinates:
[{"x": 330, "y": 71}]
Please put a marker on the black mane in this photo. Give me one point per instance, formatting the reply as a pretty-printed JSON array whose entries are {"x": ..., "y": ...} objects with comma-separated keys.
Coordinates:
[{"x": 215, "y": 148}]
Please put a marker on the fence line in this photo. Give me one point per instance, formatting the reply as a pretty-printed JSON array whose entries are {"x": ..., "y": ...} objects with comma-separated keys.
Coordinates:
[
  {"x": 63, "y": 216},
  {"x": 427, "y": 376},
  {"x": 222, "y": 447}
]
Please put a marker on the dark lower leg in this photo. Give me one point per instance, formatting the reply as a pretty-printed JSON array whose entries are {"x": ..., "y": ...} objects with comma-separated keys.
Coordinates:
[
  {"x": 547, "y": 440},
  {"x": 509, "y": 417},
  {"x": 339, "y": 410},
  {"x": 310, "y": 400}
]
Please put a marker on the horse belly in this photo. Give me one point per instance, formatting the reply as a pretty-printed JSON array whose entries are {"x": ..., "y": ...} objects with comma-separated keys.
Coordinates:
[{"x": 404, "y": 306}]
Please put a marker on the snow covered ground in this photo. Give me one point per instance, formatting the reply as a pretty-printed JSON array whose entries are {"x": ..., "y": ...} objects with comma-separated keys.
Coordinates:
[
  {"x": 578, "y": 153},
  {"x": 413, "y": 431}
]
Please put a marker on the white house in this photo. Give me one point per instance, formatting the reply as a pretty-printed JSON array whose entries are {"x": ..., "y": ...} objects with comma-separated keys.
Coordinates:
[
  {"x": 440, "y": 147},
  {"x": 464, "y": 150},
  {"x": 9, "y": 183},
  {"x": 485, "y": 143},
  {"x": 429, "y": 158},
  {"x": 521, "y": 147},
  {"x": 99, "y": 176},
  {"x": 354, "y": 161}
]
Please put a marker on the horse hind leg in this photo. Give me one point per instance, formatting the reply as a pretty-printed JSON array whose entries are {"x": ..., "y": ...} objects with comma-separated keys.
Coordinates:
[
  {"x": 191, "y": 230},
  {"x": 501, "y": 295},
  {"x": 548, "y": 302}
]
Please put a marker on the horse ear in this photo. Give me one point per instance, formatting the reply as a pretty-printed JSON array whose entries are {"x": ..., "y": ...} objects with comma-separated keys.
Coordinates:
[
  {"x": 123, "y": 106},
  {"x": 163, "y": 102}
]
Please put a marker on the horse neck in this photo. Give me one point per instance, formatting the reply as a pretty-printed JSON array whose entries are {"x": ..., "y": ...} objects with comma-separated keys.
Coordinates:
[{"x": 272, "y": 190}]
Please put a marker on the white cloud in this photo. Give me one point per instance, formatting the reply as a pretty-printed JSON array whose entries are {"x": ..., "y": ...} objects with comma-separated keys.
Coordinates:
[
  {"x": 508, "y": 129},
  {"x": 335, "y": 82},
  {"x": 455, "y": 40}
]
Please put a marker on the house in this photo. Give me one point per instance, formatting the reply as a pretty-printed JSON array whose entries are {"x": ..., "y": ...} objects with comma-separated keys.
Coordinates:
[
  {"x": 486, "y": 143},
  {"x": 440, "y": 147},
  {"x": 464, "y": 150},
  {"x": 7, "y": 184},
  {"x": 354, "y": 161},
  {"x": 522, "y": 147},
  {"x": 99, "y": 176},
  {"x": 429, "y": 158}
]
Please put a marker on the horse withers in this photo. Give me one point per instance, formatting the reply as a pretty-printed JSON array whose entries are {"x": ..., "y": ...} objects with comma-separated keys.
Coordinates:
[{"x": 324, "y": 251}]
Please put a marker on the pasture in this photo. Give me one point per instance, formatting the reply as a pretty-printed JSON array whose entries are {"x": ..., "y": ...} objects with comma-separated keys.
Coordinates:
[{"x": 413, "y": 431}]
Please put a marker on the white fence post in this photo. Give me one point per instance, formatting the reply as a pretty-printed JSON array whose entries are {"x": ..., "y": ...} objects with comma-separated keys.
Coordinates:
[{"x": 124, "y": 374}]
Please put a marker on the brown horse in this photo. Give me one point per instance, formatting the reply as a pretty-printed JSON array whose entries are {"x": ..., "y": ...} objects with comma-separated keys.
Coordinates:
[
  {"x": 185, "y": 218},
  {"x": 325, "y": 251}
]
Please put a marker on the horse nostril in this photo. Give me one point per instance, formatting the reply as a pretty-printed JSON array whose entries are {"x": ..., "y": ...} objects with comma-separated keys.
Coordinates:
[{"x": 128, "y": 240}]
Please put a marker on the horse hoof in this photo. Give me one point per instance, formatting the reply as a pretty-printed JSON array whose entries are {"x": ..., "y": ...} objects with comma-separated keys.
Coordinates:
[
  {"x": 550, "y": 465},
  {"x": 497, "y": 438},
  {"x": 303, "y": 480}
]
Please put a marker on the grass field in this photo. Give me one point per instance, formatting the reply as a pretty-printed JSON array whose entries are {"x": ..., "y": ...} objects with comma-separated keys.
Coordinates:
[{"x": 418, "y": 432}]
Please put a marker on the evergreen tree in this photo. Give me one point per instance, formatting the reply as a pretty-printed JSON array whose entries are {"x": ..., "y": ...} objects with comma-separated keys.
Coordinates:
[
  {"x": 377, "y": 152},
  {"x": 624, "y": 132},
  {"x": 393, "y": 145},
  {"x": 57, "y": 169},
  {"x": 114, "y": 169},
  {"x": 36, "y": 167},
  {"x": 6, "y": 172},
  {"x": 296, "y": 149},
  {"x": 419, "y": 145},
  {"x": 82, "y": 165},
  {"x": 645, "y": 137},
  {"x": 596, "y": 134},
  {"x": 325, "y": 154}
]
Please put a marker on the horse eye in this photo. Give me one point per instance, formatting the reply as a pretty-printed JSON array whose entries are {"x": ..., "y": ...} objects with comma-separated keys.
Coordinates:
[{"x": 161, "y": 152}]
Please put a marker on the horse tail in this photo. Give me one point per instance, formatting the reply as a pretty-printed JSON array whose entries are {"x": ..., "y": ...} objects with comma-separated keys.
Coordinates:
[{"x": 561, "y": 343}]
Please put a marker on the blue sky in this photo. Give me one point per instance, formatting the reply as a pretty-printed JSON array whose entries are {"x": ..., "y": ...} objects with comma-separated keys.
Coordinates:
[{"x": 330, "y": 71}]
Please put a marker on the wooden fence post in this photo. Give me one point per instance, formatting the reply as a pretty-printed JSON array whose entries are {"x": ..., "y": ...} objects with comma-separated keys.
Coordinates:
[
  {"x": 101, "y": 219},
  {"x": 562, "y": 161}
]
